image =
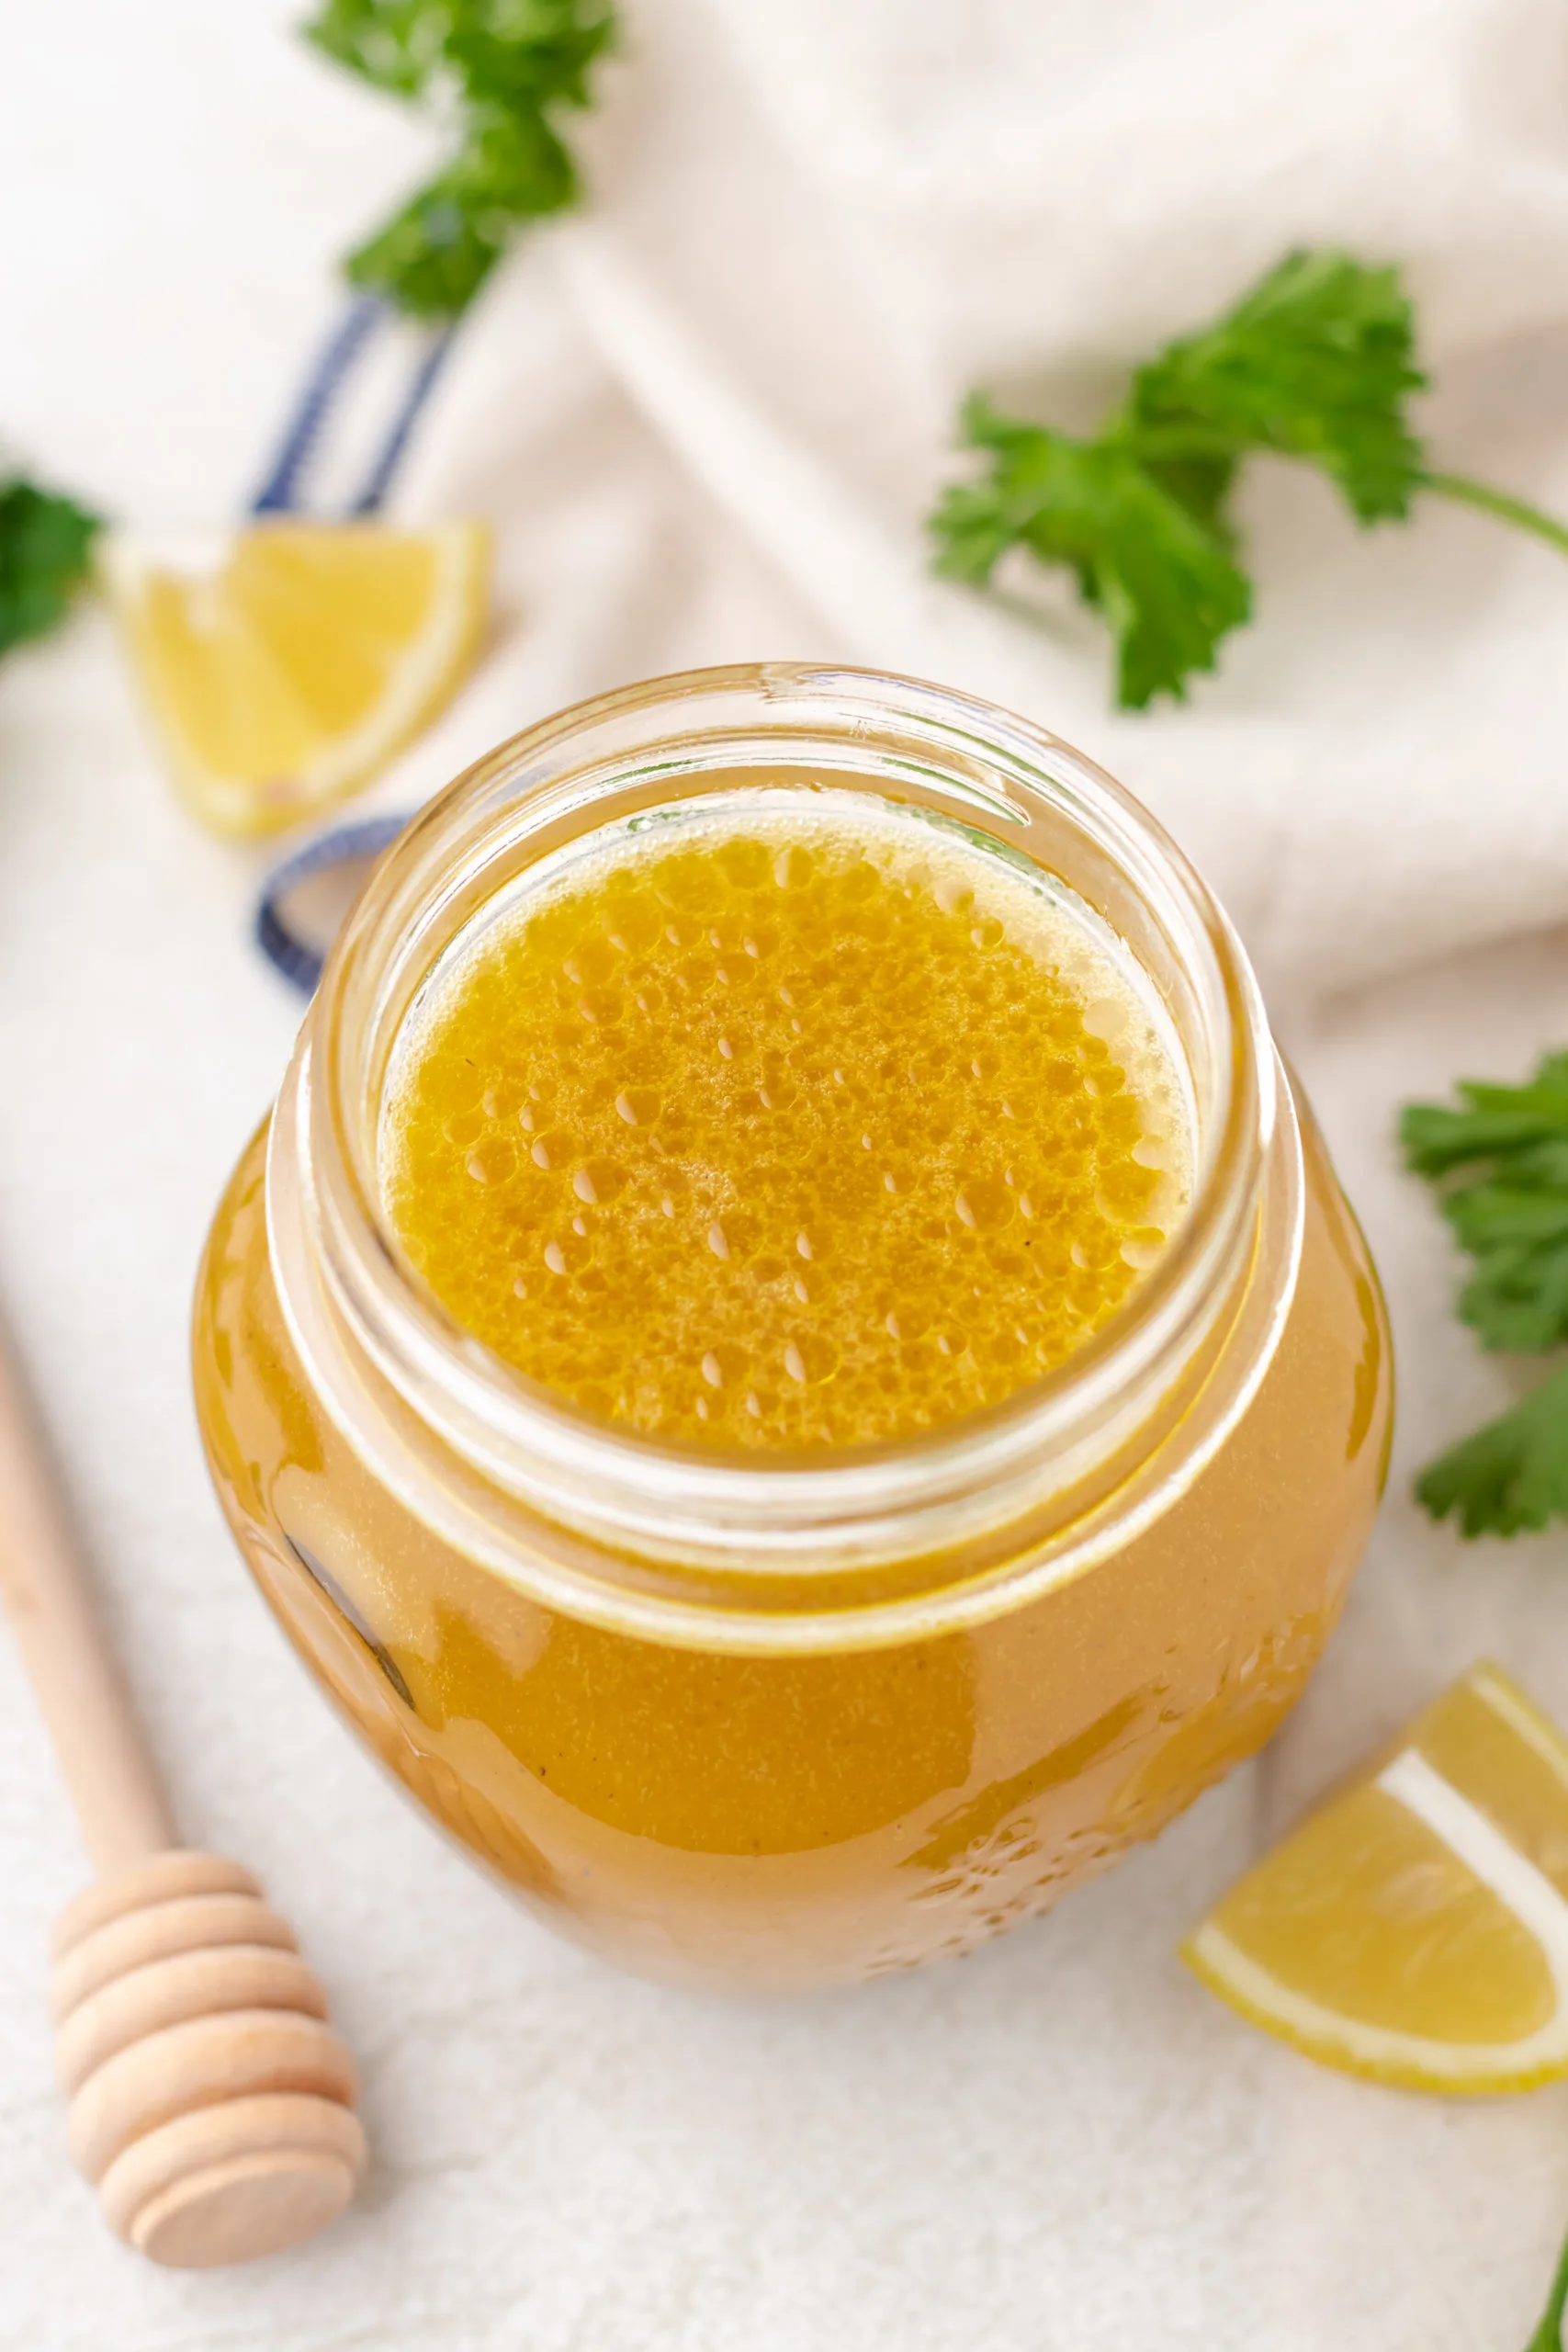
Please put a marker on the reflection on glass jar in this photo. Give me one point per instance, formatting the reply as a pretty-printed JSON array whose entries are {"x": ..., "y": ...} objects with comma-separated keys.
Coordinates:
[{"x": 873, "y": 1404}]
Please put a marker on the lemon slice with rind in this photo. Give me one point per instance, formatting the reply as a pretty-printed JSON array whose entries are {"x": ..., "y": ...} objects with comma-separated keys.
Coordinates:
[
  {"x": 1414, "y": 1929},
  {"x": 287, "y": 672}
]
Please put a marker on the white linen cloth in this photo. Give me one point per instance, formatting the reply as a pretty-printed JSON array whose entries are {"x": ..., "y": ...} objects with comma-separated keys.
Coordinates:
[{"x": 707, "y": 417}]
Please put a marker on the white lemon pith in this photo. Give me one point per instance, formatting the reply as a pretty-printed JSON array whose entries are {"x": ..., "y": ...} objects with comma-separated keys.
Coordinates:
[
  {"x": 288, "y": 671},
  {"x": 1414, "y": 1929}
]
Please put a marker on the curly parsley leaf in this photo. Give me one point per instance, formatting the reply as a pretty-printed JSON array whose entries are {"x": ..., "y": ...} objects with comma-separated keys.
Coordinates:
[
  {"x": 1502, "y": 1160},
  {"x": 46, "y": 546},
  {"x": 1511, "y": 1476},
  {"x": 396, "y": 45},
  {"x": 505, "y": 68},
  {"x": 1316, "y": 362},
  {"x": 1499, "y": 1157},
  {"x": 435, "y": 255},
  {"x": 1492, "y": 1124},
  {"x": 1549, "y": 2336},
  {"x": 1166, "y": 585}
]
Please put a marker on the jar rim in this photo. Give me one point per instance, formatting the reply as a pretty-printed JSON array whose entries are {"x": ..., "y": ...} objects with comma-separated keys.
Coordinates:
[{"x": 642, "y": 1499}]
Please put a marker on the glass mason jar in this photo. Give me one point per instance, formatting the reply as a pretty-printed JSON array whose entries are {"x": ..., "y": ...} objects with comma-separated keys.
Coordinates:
[{"x": 766, "y": 1721}]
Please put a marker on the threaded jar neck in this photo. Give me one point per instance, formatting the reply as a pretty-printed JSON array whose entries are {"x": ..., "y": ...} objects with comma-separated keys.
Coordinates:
[{"x": 617, "y": 1525}]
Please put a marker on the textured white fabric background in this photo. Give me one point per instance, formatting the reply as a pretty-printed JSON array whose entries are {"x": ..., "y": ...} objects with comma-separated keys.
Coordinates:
[{"x": 706, "y": 419}]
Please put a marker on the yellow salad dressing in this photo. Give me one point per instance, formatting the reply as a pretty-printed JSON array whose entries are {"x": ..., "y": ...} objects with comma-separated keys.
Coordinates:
[{"x": 784, "y": 1131}]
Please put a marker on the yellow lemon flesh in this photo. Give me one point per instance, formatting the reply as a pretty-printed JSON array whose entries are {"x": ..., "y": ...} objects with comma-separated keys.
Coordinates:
[
  {"x": 287, "y": 675},
  {"x": 1414, "y": 1929}
]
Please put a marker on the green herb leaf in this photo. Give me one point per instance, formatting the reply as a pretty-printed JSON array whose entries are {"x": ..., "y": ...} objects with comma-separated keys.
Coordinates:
[
  {"x": 1548, "y": 2337},
  {"x": 1166, "y": 585},
  {"x": 1512, "y": 1474},
  {"x": 395, "y": 44},
  {"x": 1499, "y": 1157},
  {"x": 1502, "y": 1160},
  {"x": 1315, "y": 363},
  {"x": 505, "y": 65},
  {"x": 46, "y": 543},
  {"x": 432, "y": 256}
]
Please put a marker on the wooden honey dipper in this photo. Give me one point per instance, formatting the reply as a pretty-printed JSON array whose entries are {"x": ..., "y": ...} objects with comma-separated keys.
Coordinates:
[{"x": 209, "y": 2101}]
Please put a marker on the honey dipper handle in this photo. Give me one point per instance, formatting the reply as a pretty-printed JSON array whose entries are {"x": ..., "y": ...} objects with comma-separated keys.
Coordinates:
[{"x": 100, "y": 1745}]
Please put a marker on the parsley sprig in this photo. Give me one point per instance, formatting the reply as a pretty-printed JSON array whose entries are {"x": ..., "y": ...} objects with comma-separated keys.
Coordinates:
[
  {"x": 504, "y": 70},
  {"x": 46, "y": 546},
  {"x": 1549, "y": 2337},
  {"x": 1500, "y": 1158},
  {"x": 1316, "y": 362}
]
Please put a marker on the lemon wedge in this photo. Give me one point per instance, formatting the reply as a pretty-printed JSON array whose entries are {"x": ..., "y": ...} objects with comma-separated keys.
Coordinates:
[
  {"x": 286, "y": 673},
  {"x": 1414, "y": 1929}
]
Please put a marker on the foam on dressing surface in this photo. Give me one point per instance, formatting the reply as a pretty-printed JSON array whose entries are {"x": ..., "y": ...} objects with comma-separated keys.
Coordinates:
[{"x": 784, "y": 1130}]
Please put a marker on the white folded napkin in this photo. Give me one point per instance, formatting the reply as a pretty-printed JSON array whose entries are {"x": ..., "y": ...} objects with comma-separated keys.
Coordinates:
[{"x": 815, "y": 226}]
